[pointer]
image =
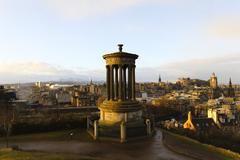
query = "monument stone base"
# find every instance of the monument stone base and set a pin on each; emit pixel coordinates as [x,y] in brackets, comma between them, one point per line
[121,121]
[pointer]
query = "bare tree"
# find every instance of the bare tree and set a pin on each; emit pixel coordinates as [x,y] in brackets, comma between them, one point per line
[6,113]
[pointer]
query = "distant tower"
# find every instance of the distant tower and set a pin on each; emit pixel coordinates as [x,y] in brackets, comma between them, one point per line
[159,79]
[231,92]
[91,82]
[215,91]
[213,81]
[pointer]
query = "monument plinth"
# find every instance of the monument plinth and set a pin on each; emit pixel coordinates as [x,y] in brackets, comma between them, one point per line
[121,116]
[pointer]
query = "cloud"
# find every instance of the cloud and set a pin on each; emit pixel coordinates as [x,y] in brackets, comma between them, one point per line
[16,72]
[30,68]
[77,9]
[2,6]
[225,67]
[225,27]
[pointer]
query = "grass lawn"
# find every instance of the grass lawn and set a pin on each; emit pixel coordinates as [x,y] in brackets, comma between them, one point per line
[19,155]
[192,147]
[78,134]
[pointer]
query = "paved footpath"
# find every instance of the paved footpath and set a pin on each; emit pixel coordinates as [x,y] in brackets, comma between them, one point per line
[151,149]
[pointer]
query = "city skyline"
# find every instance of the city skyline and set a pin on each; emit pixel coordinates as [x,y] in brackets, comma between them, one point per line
[52,40]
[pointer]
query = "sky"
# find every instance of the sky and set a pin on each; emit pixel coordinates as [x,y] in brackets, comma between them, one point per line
[43,40]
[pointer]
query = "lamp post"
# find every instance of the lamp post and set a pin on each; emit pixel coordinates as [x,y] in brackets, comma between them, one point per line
[56,96]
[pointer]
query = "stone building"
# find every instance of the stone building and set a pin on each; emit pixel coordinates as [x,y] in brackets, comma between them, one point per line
[199,125]
[224,112]
[81,99]
[120,114]
[63,97]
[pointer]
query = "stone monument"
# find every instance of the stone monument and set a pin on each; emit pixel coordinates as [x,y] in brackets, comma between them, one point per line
[121,116]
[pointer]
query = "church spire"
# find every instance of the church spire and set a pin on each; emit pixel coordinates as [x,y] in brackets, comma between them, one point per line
[159,79]
[91,82]
[231,92]
[230,83]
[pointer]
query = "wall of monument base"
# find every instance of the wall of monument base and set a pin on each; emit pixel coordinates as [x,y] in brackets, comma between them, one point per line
[115,117]
[121,130]
[133,130]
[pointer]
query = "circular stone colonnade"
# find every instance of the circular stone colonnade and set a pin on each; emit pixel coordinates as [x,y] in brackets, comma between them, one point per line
[121,116]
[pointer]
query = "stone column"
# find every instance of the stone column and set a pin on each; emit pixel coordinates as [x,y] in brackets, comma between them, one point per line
[87,122]
[77,101]
[95,130]
[148,123]
[129,82]
[120,83]
[116,82]
[125,116]
[108,82]
[124,83]
[111,83]
[123,132]
[133,83]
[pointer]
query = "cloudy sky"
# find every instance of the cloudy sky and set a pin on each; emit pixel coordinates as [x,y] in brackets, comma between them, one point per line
[65,39]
